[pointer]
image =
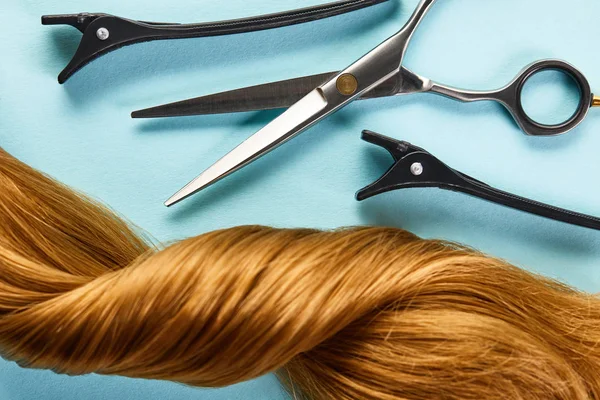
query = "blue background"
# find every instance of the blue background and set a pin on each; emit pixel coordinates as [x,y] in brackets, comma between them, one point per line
[81,133]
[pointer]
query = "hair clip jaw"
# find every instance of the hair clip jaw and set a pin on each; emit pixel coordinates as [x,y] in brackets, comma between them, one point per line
[415,167]
[103,33]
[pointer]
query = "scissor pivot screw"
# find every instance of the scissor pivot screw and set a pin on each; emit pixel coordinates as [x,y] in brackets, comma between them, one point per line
[347,84]
[102,33]
[417,169]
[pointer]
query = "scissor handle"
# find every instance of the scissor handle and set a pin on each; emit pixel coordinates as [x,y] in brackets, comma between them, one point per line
[514,102]
[510,97]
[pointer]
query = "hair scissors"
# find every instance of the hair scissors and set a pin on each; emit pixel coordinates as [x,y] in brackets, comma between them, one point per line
[377,74]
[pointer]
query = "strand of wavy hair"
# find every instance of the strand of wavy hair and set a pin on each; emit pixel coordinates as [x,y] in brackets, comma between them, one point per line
[358,313]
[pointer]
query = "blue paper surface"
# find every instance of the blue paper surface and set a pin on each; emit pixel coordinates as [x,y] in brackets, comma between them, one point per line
[81,134]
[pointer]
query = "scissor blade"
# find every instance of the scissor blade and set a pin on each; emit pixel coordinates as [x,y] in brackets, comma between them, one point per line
[268,96]
[287,125]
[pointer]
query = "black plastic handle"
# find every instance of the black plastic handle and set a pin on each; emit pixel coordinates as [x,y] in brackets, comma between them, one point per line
[432,172]
[119,32]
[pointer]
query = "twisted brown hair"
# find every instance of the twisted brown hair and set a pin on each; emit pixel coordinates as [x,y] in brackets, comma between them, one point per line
[363,313]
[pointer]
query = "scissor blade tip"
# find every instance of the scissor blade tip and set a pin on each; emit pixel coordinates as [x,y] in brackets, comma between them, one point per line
[179,196]
[172,201]
[141,113]
[153,112]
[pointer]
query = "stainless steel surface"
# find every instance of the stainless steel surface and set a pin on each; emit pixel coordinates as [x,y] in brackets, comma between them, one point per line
[287,125]
[103,33]
[282,94]
[261,97]
[417,169]
[371,70]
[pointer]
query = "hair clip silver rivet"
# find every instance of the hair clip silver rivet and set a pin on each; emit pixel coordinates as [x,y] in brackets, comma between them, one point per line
[102,33]
[416,169]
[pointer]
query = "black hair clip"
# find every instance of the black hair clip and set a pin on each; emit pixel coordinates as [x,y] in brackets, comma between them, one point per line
[416,167]
[103,33]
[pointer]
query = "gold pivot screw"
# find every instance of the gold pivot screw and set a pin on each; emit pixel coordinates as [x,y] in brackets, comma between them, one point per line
[347,84]
[596,101]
